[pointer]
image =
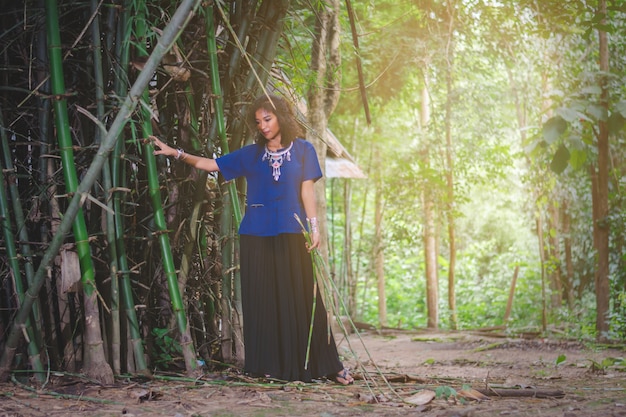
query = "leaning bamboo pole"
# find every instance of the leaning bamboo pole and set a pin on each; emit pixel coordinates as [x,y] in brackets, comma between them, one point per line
[95,363]
[34,356]
[154,190]
[22,232]
[178,22]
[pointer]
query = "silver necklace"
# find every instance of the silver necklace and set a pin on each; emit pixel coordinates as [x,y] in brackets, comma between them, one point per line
[276,159]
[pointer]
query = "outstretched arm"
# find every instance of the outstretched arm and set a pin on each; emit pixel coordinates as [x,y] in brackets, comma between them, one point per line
[200,162]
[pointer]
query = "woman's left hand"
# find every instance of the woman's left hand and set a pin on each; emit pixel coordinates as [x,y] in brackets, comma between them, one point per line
[315,241]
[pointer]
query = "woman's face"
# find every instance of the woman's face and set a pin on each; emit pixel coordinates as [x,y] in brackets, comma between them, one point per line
[267,123]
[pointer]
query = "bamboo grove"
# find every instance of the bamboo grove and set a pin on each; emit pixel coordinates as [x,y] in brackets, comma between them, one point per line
[119,261]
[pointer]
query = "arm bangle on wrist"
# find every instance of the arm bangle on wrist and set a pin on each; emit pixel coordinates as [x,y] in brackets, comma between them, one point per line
[179,153]
[314,224]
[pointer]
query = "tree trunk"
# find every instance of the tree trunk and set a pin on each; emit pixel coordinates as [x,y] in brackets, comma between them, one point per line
[379,254]
[451,205]
[544,307]
[509,303]
[347,248]
[554,260]
[568,279]
[601,202]
[430,231]
[322,99]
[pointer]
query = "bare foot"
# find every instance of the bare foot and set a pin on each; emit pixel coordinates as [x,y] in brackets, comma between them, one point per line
[343,377]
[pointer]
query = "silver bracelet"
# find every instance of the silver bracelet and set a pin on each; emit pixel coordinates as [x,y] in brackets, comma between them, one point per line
[314,225]
[179,153]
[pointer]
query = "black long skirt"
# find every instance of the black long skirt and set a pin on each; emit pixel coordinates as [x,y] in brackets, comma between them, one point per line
[277,297]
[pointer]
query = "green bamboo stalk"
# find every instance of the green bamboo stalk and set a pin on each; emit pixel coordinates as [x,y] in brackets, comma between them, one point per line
[154,190]
[231,281]
[219,104]
[234,51]
[11,251]
[171,32]
[328,289]
[118,178]
[258,73]
[198,198]
[265,51]
[57,395]
[107,182]
[95,364]
[22,232]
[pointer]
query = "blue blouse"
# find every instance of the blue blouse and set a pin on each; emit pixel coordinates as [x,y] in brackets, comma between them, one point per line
[273,196]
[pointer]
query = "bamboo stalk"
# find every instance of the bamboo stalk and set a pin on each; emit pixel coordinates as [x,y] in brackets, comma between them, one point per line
[59,395]
[219,105]
[329,290]
[95,365]
[106,178]
[22,231]
[11,252]
[154,190]
[118,178]
[249,88]
[173,29]
[232,281]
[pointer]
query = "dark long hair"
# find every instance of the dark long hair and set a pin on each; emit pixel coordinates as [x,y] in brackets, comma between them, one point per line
[290,129]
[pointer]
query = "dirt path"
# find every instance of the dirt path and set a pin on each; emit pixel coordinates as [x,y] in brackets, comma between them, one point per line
[424,363]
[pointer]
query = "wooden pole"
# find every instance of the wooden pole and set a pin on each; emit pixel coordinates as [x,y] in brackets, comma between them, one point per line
[509,303]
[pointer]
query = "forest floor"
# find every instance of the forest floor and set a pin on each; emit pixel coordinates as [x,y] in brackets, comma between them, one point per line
[427,374]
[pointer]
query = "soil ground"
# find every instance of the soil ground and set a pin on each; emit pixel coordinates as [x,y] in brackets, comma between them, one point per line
[577,380]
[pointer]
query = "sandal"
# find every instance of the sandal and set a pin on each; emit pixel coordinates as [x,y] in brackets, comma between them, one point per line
[343,377]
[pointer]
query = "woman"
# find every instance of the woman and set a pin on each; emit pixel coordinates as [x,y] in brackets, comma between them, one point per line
[276,270]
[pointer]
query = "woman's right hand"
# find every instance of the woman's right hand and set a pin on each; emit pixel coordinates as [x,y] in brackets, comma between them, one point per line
[163,149]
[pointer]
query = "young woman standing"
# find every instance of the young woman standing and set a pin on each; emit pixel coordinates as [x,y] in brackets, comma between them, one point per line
[276,270]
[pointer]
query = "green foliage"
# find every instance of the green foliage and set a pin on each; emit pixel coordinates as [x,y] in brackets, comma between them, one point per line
[617,317]
[560,359]
[445,392]
[168,349]
[560,160]
[606,363]
[579,321]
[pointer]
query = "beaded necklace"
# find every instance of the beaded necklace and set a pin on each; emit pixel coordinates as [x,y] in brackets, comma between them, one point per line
[276,159]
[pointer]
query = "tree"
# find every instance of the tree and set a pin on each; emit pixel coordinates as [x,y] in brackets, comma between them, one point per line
[600,192]
[323,96]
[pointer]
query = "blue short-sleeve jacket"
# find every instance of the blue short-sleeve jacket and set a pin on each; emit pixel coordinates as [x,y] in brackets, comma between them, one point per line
[271,204]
